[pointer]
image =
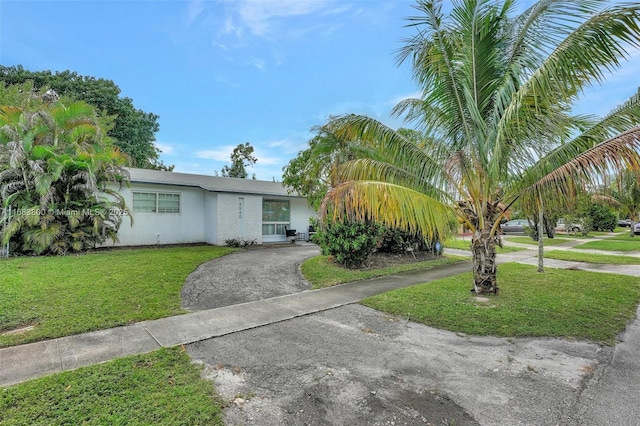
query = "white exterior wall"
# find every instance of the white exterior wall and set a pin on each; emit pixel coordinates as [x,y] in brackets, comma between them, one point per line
[239,216]
[164,228]
[205,216]
[301,215]
[210,218]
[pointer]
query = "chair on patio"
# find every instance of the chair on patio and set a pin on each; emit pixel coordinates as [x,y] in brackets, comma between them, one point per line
[291,234]
[312,232]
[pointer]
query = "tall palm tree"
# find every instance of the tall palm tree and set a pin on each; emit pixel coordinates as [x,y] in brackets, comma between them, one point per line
[496,92]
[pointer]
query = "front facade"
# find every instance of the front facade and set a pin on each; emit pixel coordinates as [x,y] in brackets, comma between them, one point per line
[179,208]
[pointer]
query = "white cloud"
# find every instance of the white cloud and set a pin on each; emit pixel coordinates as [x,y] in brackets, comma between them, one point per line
[194,9]
[220,154]
[165,148]
[260,16]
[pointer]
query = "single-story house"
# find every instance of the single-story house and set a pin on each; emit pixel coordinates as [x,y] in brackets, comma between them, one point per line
[178,208]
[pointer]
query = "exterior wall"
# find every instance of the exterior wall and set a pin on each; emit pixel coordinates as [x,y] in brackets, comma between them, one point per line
[239,216]
[205,216]
[210,218]
[164,228]
[301,215]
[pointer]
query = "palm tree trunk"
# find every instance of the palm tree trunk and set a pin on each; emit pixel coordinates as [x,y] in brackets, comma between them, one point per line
[541,238]
[483,248]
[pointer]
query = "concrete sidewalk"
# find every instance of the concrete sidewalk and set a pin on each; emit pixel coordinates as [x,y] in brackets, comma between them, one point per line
[25,362]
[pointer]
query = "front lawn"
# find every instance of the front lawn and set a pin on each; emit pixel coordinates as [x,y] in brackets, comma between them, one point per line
[321,272]
[61,296]
[617,243]
[557,303]
[600,259]
[159,388]
[546,241]
[465,244]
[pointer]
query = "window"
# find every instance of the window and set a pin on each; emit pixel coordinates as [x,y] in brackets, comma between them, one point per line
[144,202]
[152,202]
[168,203]
[275,216]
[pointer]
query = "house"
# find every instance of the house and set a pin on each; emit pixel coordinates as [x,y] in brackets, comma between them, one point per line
[177,208]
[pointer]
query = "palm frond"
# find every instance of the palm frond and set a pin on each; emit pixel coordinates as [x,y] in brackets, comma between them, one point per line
[393,205]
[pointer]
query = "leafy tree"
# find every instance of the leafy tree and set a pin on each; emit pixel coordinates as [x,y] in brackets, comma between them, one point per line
[55,164]
[133,130]
[241,157]
[313,172]
[496,92]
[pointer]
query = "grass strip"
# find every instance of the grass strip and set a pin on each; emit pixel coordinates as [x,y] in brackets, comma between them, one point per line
[611,245]
[465,244]
[557,303]
[321,272]
[546,241]
[599,259]
[159,388]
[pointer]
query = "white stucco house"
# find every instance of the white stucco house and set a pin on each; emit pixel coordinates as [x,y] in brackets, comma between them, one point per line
[178,208]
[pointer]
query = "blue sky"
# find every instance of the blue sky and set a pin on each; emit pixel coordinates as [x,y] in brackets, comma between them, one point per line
[221,73]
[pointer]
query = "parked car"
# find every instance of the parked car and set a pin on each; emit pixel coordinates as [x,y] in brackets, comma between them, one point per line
[562,226]
[624,223]
[636,228]
[515,226]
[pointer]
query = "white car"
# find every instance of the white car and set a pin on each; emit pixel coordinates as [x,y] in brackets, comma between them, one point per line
[563,227]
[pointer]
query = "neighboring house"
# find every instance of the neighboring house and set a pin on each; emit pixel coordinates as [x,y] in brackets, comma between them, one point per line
[174,208]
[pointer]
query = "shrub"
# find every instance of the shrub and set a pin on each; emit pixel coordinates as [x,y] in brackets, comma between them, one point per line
[349,243]
[602,219]
[397,241]
[240,243]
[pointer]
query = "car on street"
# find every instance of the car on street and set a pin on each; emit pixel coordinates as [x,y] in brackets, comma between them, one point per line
[562,226]
[624,223]
[515,226]
[636,228]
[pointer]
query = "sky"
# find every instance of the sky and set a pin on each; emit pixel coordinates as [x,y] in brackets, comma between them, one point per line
[222,73]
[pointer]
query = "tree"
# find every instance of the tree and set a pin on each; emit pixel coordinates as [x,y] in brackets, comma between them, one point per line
[55,164]
[312,173]
[241,157]
[496,92]
[134,130]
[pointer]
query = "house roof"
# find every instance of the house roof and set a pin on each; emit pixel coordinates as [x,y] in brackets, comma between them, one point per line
[210,183]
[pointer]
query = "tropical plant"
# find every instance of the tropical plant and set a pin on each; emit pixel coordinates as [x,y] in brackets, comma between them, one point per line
[496,92]
[349,243]
[55,164]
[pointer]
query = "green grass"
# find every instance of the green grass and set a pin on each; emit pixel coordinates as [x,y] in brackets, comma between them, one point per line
[159,388]
[625,237]
[600,259]
[67,295]
[557,303]
[546,241]
[617,243]
[321,272]
[465,244]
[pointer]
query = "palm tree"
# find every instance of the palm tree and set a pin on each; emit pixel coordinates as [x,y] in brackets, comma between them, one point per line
[496,92]
[55,164]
